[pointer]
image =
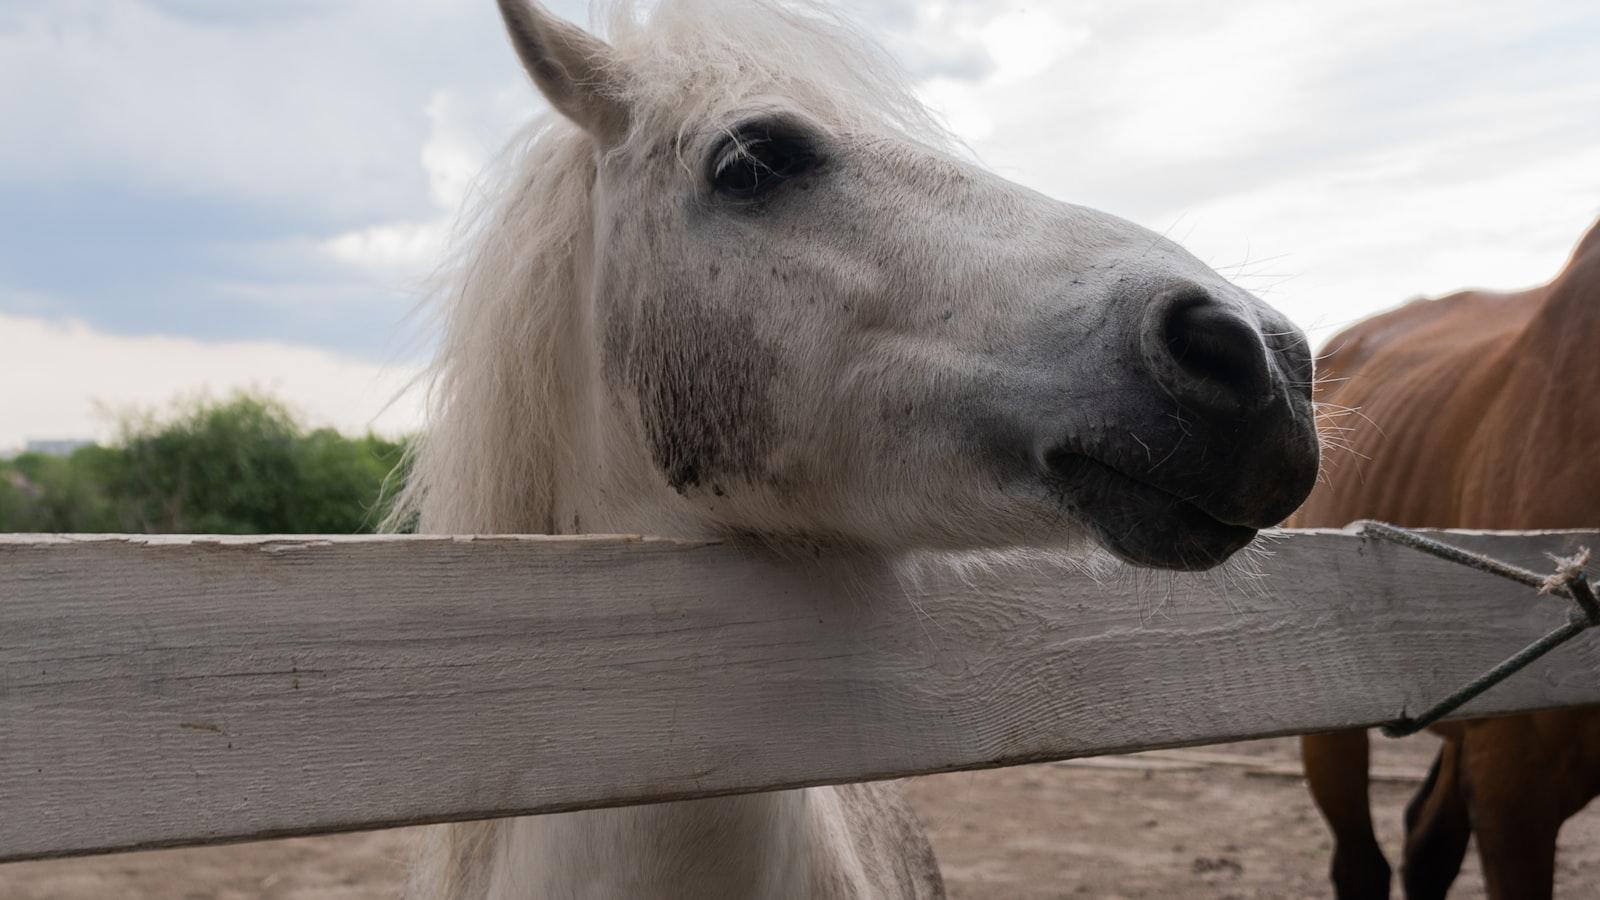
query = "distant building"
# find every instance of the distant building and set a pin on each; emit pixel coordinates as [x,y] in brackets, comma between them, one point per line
[55,448]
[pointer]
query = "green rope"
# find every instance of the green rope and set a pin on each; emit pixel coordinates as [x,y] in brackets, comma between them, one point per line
[1574,585]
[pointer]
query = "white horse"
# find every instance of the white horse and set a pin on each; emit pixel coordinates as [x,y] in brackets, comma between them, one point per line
[740,287]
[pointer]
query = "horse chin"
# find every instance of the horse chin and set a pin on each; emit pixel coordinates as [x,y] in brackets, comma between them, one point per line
[1197,550]
[1144,525]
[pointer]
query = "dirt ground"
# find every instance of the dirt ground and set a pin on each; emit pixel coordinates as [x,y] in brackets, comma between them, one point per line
[1224,823]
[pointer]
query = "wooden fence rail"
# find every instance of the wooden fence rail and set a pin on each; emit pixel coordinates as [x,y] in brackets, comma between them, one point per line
[190,690]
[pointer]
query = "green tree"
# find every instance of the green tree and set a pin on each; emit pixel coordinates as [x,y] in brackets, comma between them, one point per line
[49,493]
[240,466]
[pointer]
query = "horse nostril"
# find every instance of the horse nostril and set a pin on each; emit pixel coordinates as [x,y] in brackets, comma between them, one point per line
[1211,352]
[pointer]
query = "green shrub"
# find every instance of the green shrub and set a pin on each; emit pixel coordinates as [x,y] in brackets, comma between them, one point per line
[239,466]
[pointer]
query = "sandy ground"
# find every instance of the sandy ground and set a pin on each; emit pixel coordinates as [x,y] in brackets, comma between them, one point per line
[1224,823]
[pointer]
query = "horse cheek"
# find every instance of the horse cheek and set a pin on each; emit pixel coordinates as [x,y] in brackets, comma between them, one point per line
[703,380]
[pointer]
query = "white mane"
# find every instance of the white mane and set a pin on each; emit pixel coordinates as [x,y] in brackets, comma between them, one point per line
[508,306]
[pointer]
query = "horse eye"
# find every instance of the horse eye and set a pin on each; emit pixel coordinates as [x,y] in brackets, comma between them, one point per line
[752,161]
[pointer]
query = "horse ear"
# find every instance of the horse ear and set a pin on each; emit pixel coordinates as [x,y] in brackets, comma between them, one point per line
[576,71]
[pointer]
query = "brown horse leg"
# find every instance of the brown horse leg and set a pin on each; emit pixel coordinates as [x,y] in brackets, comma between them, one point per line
[1437,829]
[1518,853]
[1514,790]
[1336,769]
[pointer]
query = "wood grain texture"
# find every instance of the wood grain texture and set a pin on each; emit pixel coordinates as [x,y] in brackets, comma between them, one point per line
[168,691]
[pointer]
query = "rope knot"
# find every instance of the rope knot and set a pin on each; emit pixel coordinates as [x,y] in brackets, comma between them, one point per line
[1568,570]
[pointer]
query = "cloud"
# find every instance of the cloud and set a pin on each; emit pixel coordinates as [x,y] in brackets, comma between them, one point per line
[465,133]
[273,115]
[236,12]
[67,380]
[130,261]
[235,170]
[1335,246]
[405,248]
[1339,158]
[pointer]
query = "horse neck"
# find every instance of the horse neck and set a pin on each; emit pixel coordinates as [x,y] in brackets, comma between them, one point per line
[756,845]
[1565,333]
[1527,462]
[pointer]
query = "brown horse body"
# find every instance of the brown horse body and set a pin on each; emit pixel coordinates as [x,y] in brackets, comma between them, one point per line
[1473,411]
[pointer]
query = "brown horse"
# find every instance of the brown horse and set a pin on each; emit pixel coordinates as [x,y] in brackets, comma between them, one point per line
[1475,411]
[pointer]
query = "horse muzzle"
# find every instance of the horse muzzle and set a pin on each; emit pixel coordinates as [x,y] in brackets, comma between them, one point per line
[1211,437]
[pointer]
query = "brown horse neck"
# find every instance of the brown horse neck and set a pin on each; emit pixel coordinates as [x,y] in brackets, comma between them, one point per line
[1566,330]
[1588,245]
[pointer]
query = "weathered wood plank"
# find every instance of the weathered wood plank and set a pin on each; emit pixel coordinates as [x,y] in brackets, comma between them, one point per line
[173,691]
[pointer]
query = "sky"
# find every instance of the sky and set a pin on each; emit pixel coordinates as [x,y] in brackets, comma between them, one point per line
[203,195]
